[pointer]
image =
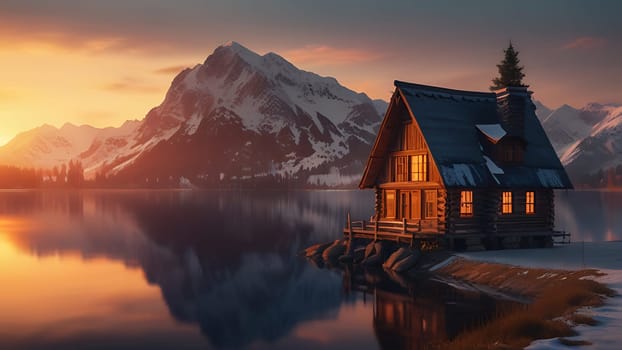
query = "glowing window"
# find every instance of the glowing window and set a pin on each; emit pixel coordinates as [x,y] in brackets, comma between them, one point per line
[506,203]
[466,203]
[419,167]
[530,203]
[400,169]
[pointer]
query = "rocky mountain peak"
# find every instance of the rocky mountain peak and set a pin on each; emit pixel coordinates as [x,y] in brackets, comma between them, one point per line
[237,116]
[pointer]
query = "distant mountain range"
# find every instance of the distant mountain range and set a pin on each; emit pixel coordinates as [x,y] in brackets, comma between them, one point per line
[588,142]
[241,119]
[237,117]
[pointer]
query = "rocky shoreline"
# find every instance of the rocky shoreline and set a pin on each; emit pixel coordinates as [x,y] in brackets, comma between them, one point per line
[389,255]
[556,299]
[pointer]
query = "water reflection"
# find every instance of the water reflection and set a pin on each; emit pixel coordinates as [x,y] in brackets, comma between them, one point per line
[593,216]
[422,312]
[73,267]
[222,260]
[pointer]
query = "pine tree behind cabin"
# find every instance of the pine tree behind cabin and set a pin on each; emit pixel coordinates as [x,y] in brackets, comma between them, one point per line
[510,73]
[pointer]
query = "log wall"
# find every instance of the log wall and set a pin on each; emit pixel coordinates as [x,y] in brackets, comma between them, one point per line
[488,219]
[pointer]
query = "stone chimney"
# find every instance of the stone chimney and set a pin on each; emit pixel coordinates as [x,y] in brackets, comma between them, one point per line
[512,103]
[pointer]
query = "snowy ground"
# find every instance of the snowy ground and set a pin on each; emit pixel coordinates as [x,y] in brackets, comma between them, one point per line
[604,256]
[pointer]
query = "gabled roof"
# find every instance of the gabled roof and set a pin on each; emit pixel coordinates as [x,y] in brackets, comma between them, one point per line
[449,121]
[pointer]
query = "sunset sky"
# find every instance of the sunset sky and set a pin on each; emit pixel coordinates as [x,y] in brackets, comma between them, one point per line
[102,62]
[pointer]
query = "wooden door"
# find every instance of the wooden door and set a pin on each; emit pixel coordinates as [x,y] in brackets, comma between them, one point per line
[404,205]
[415,205]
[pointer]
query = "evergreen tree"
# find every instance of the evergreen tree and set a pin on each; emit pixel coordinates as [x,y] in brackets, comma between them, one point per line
[510,73]
[75,174]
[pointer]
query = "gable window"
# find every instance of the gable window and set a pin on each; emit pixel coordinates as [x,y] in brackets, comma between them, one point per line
[530,202]
[430,204]
[419,167]
[400,169]
[466,203]
[409,168]
[506,202]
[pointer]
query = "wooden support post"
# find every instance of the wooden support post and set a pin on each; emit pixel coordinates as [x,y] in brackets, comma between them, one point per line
[404,228]
[376,231]
[348,222]
[349,244]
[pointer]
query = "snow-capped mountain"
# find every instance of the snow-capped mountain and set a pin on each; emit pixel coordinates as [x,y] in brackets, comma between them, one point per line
[596,160]
[240,115]
[542,111]
[589,142]
[48,146]
[237,116]
[567,125]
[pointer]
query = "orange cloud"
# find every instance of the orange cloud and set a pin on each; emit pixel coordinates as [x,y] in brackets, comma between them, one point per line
[328,55]
[170,69]
[128,84]
[585,42]
[45,37]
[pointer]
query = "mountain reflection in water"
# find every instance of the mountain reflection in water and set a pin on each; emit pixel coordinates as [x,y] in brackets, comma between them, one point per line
[73,266]
[226,261]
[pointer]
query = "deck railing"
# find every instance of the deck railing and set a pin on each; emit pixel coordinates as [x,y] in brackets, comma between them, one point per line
[404,230]
[410,231]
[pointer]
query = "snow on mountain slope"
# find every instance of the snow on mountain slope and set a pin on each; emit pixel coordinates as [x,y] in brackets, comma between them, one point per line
[107,145]
[237,115]
[601,149]
[542,111]
[588,142]
[567,125]
[48,146]
[241,115]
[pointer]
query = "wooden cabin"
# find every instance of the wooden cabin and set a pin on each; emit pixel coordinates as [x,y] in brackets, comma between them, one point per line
[475,167]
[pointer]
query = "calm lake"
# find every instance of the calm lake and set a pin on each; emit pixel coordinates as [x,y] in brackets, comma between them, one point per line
[219,270]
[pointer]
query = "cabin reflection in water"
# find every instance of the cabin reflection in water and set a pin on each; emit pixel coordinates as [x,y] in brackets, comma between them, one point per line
[403,322]
[425,312]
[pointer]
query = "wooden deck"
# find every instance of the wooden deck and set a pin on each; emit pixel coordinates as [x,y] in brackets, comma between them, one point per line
[416,231]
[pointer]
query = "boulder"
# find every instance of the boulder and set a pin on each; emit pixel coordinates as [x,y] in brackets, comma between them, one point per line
[375,259]
[316,249]
[399,254]
[346,259]
[358,255]
[380,248]
[334,251]
[406,263]
[370,250]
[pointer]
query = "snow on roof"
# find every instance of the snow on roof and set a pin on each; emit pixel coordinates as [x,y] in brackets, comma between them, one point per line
[452,123]
[550,178]
[462,175]
[494,132]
